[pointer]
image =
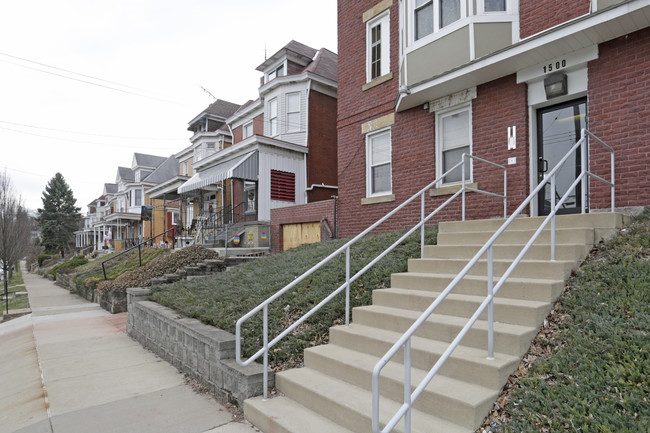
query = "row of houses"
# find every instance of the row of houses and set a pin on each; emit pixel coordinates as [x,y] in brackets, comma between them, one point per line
[416,84]
[243,162]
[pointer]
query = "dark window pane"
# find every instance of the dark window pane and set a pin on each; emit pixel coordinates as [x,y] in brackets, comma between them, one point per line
[449,12]
[451,158]
[424,21]
[495,5]
[381,178]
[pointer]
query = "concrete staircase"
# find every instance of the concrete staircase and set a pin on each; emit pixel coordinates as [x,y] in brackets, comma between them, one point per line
[332,393]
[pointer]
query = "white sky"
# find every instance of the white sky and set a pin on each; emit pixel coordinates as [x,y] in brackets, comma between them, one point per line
[157,53]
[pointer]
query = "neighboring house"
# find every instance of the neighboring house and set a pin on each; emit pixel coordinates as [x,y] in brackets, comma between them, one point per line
[421,82]
[90,235]
[200,197]
[284,146]
[162,211]
[123,223]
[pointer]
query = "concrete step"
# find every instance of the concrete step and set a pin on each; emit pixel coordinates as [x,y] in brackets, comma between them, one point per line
[283,415]
[533,289]
[604,220]
[514,311]
[465,363]
[448,398]
[577,235]
[576,252]
[541,269]
[508,338]
[350,406]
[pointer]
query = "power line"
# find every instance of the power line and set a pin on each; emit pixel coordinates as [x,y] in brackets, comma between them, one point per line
[75,141]
[89,133]
[88,82]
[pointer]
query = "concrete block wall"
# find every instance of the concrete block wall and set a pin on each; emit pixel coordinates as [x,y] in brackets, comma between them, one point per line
[205,353]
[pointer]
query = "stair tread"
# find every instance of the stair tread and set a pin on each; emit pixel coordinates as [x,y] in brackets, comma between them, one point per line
[455,389]
[521,280]
[353,399]
[286,415]
[470,298]
[506,328]
[478,356]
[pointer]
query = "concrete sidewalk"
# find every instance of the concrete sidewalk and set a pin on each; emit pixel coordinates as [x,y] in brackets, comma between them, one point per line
[70,367]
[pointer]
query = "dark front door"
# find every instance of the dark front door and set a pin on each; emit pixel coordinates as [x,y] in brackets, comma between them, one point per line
[558,129]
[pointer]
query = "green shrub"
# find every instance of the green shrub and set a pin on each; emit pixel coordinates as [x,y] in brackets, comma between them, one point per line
[42,258]
[68,266]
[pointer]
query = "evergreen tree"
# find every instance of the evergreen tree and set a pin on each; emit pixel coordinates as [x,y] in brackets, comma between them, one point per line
[59,218]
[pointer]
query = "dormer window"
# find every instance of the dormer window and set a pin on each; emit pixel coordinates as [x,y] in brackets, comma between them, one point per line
[277,72]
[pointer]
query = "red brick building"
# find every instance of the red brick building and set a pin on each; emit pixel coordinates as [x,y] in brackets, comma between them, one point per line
[514,82]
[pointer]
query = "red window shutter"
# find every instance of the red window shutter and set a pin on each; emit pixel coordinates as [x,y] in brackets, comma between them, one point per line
[283,186]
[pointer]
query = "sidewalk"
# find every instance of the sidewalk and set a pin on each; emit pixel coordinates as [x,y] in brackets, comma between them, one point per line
[70,367]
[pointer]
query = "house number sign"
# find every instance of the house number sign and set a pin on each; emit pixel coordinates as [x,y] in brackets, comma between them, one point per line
[560,64]
[569,61]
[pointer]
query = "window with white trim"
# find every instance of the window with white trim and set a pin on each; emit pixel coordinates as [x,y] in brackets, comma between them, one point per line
[378,47]
[277,72]
[453,138]
[378,163]
[184,168]
[430,16]
[272,116]
[248,130]
[293,111]
[494,5]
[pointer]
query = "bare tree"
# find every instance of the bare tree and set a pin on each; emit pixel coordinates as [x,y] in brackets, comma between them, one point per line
[14,230]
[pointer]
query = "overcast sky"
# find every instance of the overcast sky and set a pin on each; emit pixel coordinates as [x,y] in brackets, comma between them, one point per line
[85,84]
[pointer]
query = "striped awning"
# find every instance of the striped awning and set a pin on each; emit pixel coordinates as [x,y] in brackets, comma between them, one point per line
[242,167]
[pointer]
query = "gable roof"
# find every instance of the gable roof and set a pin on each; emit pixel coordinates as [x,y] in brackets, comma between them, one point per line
[325,64]
[165,171]
[149,161]
[110,188]
[125,174]
[300,51]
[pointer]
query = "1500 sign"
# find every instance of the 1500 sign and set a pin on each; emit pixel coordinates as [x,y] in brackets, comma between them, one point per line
[560,64]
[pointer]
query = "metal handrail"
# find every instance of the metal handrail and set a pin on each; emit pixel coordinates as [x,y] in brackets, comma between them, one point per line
[350,279]
[488,302]
[139,247]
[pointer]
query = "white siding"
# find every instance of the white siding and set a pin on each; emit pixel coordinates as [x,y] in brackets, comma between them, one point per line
[283,160]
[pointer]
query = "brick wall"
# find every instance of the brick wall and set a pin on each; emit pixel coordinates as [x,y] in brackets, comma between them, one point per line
[322,157]
[499,104]
[321,211]
[619,114]
[538,15]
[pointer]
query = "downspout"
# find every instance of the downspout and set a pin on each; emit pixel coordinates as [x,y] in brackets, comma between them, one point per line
[307,139]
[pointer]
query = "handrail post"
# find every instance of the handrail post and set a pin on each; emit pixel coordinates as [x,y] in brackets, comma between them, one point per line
[613,181]
[347,287]
[553,211]
[266,352]
[104,269]
[140,254]
[407,385]
[490,282]
[463,182]
[584,169]
[505,192]
[422,228]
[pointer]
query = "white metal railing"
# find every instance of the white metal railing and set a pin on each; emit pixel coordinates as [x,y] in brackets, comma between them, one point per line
[350,279]
[492,289]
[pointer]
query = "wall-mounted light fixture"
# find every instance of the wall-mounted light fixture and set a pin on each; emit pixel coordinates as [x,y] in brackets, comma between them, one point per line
[426,106]
[555,85]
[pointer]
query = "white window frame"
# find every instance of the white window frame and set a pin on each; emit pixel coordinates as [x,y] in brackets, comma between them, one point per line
[482,11]
[184,168]
[436,18]
[272,74]
[370,164]
[383,20]
[273,117]
[247,130]
[439,144]
[292,125]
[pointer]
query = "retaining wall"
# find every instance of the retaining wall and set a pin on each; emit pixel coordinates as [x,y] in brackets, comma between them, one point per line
[205,353]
